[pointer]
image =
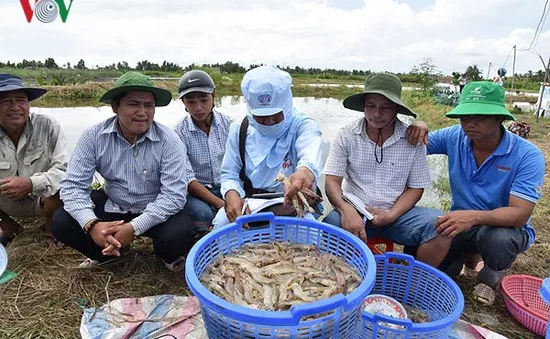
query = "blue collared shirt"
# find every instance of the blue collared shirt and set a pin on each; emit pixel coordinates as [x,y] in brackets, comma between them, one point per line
[147,178]
[515,168]
[305,151]
[204,152]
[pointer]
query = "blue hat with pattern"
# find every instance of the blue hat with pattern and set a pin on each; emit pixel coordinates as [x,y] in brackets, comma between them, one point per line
[10,83]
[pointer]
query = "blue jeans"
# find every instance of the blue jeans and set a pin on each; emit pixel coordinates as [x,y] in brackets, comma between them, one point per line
[413,228]
[201,212]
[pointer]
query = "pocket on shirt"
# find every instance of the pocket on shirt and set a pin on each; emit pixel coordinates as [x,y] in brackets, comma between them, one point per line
[32,156]
[149,174]
[4,165]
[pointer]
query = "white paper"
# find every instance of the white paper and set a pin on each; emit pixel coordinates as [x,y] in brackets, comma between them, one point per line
[358,204]
[257,205]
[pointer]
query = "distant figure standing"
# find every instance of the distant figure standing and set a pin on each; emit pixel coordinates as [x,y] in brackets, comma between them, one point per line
[499,78]
[462,80]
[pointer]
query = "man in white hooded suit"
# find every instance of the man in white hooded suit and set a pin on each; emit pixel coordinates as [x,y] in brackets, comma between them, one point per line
[278,140]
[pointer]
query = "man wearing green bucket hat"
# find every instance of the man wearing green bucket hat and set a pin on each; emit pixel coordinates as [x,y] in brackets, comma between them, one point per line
[370,159]
[496,179]
[143,165]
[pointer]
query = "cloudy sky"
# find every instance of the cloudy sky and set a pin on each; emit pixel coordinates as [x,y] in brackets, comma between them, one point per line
[391,35]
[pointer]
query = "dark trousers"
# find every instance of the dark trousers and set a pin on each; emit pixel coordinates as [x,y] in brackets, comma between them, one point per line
[498,246]
[171,239]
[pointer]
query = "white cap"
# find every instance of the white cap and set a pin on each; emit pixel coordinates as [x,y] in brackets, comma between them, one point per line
[267,90]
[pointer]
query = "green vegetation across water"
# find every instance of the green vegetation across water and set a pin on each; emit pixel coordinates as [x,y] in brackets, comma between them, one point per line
[79,85]
[88,94]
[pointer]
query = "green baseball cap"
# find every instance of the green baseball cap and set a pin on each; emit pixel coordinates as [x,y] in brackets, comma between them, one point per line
[135,81]
[481,98]
[385,84]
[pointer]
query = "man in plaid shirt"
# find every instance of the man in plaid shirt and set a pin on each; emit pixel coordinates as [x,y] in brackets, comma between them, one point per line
[204,133]
[371,159]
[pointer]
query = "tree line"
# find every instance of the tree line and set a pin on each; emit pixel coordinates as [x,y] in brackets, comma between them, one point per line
[167,66]
[418,74]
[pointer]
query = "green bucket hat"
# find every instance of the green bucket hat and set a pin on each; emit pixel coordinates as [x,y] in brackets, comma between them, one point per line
[135,81]
[385,84]
[481,98]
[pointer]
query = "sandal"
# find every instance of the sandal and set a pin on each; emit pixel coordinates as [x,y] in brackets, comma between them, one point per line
[88,263]
[469,273]
[177,265]
[484,294]
[473,272]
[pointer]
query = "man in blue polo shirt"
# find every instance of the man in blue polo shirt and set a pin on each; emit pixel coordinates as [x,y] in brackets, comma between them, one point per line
[496,179]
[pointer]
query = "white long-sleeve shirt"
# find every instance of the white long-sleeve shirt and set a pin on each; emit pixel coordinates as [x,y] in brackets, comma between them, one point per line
[305,151]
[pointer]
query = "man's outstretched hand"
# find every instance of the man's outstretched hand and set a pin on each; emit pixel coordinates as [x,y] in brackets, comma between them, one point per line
[302,178]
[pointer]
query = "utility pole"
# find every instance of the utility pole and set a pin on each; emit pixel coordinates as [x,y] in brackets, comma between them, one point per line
[544,82]
[489,70]
[513,74]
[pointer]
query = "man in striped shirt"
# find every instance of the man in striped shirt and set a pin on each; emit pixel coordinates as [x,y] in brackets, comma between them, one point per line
[204,133]
[143,164]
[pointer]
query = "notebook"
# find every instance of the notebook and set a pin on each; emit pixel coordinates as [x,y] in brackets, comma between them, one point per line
[257,205]
[358,204]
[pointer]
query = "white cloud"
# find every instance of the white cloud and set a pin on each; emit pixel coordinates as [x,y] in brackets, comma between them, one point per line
[381,35]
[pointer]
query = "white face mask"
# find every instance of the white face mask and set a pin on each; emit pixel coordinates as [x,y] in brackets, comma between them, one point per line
[269,130]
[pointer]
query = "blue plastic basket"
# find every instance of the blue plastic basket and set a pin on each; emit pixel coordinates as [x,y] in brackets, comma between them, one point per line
[545,295]
[340,313]
[417,285]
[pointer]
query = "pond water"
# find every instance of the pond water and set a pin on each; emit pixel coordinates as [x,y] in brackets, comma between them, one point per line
[329,113]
